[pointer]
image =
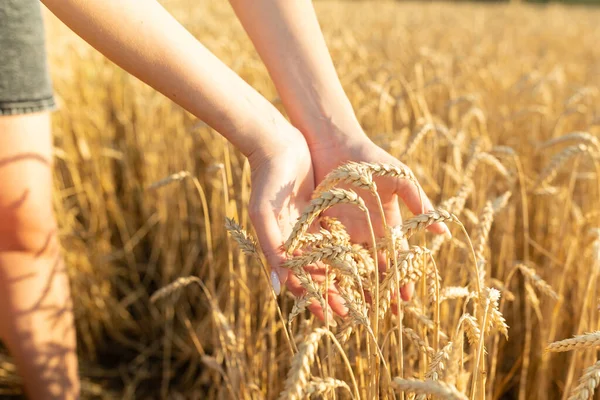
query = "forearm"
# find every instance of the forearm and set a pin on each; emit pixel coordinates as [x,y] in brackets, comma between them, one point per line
[145,40]
[288,38]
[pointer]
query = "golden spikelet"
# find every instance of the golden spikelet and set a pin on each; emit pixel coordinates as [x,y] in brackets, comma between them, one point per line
[543,286]
[440,390]
[299,374]
[581,342]
[174,288]
[317,205]
[588,383]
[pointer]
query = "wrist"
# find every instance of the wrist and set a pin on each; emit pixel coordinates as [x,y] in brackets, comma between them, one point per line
[333,130]
[258,130]
[277,138]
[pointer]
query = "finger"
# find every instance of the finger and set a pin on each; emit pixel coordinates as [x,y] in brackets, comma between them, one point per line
[315,308]
[407,291]
[335,300]
[417,202]
[271,242]
[337,303]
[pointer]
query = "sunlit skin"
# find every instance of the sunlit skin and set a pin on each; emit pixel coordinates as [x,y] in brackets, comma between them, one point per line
[287,159]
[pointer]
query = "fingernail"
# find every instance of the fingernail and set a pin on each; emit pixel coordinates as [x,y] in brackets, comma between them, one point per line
[282,275]
[275,282]
[447,231]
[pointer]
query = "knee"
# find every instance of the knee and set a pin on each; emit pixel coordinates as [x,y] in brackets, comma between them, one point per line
[28,225]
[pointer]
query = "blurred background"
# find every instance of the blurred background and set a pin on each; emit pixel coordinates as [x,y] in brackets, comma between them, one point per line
[501,74]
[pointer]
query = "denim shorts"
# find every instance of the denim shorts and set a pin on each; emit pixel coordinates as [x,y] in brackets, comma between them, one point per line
[25,84]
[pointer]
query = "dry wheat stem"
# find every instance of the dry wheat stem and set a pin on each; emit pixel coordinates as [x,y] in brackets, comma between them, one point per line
[492,297]
[248,246]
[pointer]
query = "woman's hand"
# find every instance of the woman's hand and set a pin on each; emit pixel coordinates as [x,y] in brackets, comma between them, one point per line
[339,148]
[282,185]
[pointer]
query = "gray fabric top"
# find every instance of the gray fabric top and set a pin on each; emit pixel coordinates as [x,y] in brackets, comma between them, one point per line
[24,78]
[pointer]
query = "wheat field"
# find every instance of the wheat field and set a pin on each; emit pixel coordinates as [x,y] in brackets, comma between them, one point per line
[494,108]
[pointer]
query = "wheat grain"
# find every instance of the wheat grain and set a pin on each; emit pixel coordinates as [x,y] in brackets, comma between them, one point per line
[418,341]
[437,364]
[174,287]
[317,205]
[550,172]
[436,388]
[322,387]
[581,137]
[241,237]
[454,292]
[420,134]
[352,173]
[588,383]
[176,177]
[297,379]
[423,221]
[579,342]
[538,282]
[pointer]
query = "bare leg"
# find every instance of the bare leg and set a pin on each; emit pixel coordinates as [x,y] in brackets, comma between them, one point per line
[36,318]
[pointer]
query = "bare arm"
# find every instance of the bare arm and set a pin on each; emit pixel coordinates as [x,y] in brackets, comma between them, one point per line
[288,38]
[145,40]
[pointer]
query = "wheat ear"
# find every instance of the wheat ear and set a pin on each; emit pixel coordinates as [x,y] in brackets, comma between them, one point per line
[174,287]
[588,383]
[317,205]
[576,343]
[439,389]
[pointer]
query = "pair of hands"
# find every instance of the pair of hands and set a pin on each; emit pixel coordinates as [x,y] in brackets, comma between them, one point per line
[283,181]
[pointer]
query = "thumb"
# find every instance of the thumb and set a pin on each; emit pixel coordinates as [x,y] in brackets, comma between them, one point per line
[270,239]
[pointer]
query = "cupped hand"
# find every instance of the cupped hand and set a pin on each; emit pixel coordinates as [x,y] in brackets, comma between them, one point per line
[282,185]
[360,148]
